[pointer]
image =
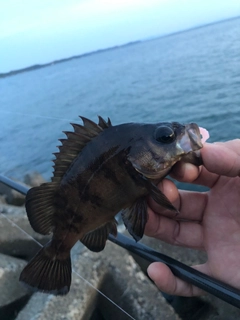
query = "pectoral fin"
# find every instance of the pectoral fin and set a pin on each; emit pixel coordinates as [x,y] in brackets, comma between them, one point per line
[161,199]
[158,196]
[96,240]
[135,218]
[40,208]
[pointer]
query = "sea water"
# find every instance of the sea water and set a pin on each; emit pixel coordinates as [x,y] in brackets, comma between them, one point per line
[192,76]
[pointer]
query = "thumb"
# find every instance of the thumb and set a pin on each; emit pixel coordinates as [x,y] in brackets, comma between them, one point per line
[222,158]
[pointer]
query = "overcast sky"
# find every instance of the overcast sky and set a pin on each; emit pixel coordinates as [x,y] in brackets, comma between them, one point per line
[41,31]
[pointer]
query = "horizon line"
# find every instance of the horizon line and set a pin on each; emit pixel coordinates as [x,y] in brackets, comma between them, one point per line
[151,38]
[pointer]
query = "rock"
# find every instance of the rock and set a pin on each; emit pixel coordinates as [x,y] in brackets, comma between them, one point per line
[12,196]
[3,199]
[33,179]
[12,295]
[16,233]
[15,198]
[114,272]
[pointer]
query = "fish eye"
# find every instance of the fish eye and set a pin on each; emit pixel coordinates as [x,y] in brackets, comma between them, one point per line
[165,134]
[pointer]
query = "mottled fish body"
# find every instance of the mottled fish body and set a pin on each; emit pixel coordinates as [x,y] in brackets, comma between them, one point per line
[100,170]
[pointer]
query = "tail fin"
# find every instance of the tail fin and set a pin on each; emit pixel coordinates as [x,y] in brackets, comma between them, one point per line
[47,273]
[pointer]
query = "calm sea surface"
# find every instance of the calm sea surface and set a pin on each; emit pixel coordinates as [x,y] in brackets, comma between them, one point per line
[192,76]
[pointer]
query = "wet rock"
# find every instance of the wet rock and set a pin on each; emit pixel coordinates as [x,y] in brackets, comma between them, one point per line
[114,272]
[12,295]
[34,179]
[16,233]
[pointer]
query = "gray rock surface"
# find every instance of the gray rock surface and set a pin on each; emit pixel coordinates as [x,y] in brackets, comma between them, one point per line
[33,179]
[116,274]
[15,198]
[12,294]
[16,233]
[11,196]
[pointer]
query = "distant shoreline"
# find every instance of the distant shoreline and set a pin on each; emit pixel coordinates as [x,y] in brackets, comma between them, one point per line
[39,66]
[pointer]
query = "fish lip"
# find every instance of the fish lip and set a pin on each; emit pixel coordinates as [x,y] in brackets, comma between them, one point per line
[192,140]
[195,138]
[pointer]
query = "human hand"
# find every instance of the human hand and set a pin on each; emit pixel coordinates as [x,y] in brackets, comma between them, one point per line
[213,218]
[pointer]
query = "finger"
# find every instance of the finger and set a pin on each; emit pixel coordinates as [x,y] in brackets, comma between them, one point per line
[167,282]
[190,204]
[185,172]
[163,225]
[167,187]
[222,158]
[186,234]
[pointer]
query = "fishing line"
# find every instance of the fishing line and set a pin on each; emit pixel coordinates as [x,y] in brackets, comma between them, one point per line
[82,278]
[19,228]
[35,115]
[89,283]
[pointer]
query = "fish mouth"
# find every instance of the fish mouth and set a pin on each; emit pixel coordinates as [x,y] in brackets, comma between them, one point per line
[191,140]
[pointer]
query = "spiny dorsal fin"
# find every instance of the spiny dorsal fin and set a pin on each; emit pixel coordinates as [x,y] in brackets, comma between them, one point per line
[92,128]
[103,124]
[74,144]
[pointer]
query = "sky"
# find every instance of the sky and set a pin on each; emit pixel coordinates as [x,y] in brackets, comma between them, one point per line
[40,31]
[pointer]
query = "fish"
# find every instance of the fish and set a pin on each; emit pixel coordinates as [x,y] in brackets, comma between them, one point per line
[99,171]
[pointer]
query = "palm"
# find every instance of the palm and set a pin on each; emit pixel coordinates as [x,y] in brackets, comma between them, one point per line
[221,229]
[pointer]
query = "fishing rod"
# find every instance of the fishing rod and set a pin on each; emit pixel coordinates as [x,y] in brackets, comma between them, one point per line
[218,288]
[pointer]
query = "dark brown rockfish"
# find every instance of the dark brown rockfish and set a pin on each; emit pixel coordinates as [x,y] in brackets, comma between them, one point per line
[100,170]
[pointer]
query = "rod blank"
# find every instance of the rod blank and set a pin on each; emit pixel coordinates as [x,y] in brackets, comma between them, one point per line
[179,269]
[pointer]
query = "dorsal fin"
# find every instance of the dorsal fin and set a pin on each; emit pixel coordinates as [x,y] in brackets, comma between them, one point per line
[74,143]
[103,124]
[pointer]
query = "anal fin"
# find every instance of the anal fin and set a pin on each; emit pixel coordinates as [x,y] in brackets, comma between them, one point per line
[96,240]
[135,218]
